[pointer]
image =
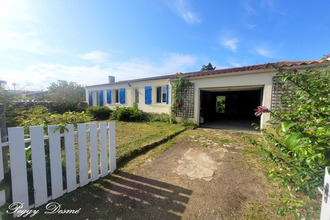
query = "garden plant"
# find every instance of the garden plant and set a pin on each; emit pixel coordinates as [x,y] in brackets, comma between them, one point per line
[298,142]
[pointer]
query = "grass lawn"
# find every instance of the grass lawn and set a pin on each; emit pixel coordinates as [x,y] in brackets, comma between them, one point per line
[131,136]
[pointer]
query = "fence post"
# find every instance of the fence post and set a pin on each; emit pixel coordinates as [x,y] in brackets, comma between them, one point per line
[325,209]
[4,138]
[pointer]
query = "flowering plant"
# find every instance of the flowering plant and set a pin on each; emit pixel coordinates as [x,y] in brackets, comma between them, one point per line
[260,110]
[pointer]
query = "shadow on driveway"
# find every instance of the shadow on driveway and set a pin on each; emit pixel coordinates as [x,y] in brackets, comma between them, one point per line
[146,198]
[123,195]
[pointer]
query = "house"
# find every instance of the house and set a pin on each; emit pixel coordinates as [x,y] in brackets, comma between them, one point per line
[222,95]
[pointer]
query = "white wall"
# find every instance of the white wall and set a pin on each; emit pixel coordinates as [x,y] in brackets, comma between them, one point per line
[234,81]
[130,95]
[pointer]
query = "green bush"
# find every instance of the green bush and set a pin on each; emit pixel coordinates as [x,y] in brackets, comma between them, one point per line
[129,114]
[99,112]
[163,117]
[300,144]
[46,119]
[17,116]
[64,107]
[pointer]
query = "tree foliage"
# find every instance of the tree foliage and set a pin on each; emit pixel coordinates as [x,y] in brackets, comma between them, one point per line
[67,96]
[7,97]
[208,67]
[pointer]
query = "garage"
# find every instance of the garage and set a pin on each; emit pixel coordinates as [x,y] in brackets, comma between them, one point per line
[230,108]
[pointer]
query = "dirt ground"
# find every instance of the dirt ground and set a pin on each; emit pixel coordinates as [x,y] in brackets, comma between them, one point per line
[204,175]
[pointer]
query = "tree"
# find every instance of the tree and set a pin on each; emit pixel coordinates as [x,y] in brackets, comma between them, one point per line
[67,96]
[208,67]
[6,97]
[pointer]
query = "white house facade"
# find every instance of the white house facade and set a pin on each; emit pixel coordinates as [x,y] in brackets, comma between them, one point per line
[240,90]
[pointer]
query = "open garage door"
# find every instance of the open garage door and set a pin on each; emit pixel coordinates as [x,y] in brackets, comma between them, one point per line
[230,108]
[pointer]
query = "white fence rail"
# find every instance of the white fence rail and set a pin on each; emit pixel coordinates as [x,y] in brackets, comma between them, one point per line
[325,190]
[59,163]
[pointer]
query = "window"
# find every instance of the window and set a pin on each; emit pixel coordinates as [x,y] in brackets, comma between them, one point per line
[162,94]
[136,96]
[116,96]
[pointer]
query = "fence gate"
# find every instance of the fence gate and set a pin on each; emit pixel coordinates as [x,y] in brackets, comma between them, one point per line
[46,167]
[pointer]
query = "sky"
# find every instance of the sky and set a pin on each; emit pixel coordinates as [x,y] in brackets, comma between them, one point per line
[85,41]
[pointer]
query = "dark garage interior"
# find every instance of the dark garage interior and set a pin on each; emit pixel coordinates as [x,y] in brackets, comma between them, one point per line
[230,109]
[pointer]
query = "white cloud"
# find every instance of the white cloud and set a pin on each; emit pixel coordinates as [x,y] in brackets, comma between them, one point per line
[230,43]
[24,41]
[95,56]
[250,10]
[248,25]
[265,52]
[10,35]
[15,10]
[180,6]
[37,77]
[235,64]
[142,68]
[267,4]
[20,28]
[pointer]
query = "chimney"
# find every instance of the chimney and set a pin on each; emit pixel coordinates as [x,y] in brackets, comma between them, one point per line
[111,79]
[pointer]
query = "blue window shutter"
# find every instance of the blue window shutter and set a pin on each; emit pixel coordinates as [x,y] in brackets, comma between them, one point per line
[90,98]
[108,96]
[122,96]
[148,95]
[166,94]
[100,97]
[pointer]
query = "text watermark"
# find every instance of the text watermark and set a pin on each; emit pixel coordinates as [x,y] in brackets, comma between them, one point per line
[52,208]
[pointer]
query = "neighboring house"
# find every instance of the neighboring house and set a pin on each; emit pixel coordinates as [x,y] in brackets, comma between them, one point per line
[216,95]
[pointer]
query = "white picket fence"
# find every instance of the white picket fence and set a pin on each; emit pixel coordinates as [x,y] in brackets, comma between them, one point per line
[325,190]
[96,157]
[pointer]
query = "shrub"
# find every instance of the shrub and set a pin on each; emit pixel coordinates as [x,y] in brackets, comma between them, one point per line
[63,107]
[17,116]
[129,114]
[46,119]
[163,117]
[99,112]
[301,134]
[189,124]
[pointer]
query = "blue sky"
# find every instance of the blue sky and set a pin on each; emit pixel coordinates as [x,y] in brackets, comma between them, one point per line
[85,41]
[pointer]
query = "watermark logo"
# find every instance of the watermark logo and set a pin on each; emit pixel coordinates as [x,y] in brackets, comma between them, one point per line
[52,208]
[16,208]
